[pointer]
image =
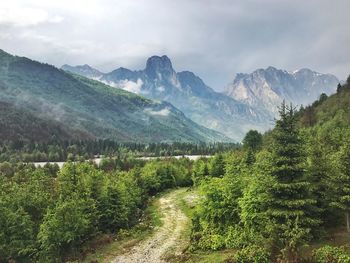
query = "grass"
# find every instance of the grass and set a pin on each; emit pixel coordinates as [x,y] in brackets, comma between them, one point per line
[106,247]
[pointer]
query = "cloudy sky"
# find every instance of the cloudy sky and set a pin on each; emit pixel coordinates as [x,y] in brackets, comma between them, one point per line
[213,38]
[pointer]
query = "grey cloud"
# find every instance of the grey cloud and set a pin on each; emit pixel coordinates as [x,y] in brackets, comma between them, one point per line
[214,39]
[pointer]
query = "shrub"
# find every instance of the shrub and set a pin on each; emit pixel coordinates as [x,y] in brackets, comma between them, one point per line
[329,254]
[238,237]
[252,254]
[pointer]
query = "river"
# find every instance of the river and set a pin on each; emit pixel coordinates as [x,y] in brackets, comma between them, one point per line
[98,160]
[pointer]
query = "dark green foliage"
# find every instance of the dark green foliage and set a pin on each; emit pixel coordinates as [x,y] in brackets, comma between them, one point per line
[329,254]
[218,210]
[217,166]
[48,214]
[342,182]
[252,140]
[57,150]
[252,254]
[290,197]
[65,227]
[322,98]
[291,203]
[83,108]
[16,232]
[21,125]
[287,194]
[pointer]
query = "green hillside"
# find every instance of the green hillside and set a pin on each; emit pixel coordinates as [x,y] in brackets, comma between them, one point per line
[19,124]
[91,107]
[327,120]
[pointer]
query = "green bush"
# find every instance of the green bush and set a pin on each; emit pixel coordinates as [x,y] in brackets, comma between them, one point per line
[238,237]
[329,254]
[252,254]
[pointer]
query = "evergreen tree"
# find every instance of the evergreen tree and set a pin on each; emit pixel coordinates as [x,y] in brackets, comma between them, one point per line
[250,157]
[290,202]
[339,88]
[318,177]
[217,166]
[252,140]
[342,183]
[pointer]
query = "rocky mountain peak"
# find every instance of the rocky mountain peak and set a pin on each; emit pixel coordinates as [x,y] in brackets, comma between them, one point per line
[84,70]
[266,88]
[157,66]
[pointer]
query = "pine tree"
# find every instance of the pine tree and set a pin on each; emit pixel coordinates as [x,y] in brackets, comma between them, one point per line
[339,88]
[342,183]
[252,140]
[318,177]
[217,166]
[290,202]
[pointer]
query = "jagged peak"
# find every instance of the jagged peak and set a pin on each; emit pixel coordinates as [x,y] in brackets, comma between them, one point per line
[159,64]
[271,68]
[121,69]
[85,66]
[305,71]
[188,73]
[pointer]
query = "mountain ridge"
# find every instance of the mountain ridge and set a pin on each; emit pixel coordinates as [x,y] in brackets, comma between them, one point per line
[87,105]
[267,88]
[188,92]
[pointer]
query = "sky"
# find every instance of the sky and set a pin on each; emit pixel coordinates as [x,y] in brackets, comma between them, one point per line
[215,39]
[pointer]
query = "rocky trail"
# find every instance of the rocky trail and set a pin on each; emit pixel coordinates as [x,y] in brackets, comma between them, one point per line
[166,239]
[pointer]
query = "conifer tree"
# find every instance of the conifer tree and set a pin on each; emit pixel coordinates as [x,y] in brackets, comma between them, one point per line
[342,183]
[290,202]
[318,177]
[217,166]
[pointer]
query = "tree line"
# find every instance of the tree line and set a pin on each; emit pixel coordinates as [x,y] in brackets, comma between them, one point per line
[282,191]
[48,214]
[56,150]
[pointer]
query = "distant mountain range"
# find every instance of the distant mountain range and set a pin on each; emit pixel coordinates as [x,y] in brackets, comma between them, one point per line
[249,102]
[267,88]
[39,100]
[187,92]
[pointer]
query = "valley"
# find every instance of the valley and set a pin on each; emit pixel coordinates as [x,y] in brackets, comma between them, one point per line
[174,131]
[167,238]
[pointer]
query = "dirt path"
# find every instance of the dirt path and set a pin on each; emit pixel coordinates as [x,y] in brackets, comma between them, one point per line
[165,239]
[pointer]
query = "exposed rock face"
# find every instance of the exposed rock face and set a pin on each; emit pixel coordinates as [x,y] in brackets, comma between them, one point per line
[267,88]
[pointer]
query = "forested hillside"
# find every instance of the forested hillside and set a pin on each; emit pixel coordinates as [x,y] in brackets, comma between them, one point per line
[282,197]
[187,92]
[91,108]
[285,196]
[18,124]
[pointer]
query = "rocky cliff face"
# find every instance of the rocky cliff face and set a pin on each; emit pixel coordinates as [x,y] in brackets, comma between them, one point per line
[191,95]
[267,88]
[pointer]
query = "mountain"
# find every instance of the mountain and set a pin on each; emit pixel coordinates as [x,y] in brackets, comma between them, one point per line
[191,95]
[19,124]
[84,106]
[83,70]
[267,88]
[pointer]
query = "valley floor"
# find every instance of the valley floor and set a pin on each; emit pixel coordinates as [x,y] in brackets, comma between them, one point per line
[165,240]
[168,241]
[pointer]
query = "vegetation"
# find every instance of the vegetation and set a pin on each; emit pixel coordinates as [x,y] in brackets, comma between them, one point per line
[17,124]
[49,214]
[74,150]
[283,190]
[328,254]
[276,199]
[87,109]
